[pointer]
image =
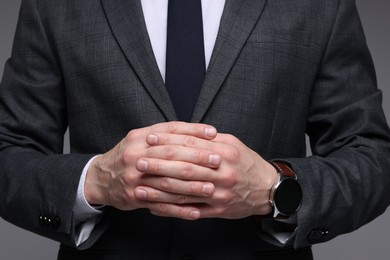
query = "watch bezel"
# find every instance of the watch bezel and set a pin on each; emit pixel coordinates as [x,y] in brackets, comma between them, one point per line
[285,177]
[286,203]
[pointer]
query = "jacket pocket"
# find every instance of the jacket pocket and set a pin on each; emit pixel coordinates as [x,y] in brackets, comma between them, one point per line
[295,37]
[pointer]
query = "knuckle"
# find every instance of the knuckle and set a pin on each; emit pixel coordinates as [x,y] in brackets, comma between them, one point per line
[162,208]
[187,171]
[122,200]
[165,183]
[172,127]
[154,196]
[170,152]
[154,166]
[225,198]
[126,179]
[182,212]
[231,153]
[193,188]
[181,199]
[231,178]
[201,157]
[131,135]
[220,210]
[189,141]
[127,156]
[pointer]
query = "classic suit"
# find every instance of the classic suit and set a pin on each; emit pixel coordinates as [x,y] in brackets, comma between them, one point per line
[279,69]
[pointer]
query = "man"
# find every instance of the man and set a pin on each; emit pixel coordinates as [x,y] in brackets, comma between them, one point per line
[171,190]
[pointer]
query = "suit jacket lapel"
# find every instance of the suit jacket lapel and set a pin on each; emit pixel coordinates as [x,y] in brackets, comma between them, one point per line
[237,22]
[128,25]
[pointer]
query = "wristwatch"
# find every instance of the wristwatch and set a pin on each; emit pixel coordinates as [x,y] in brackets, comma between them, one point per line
[286,195]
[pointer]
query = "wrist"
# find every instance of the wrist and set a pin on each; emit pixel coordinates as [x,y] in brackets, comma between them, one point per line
[268,180]
[93,186]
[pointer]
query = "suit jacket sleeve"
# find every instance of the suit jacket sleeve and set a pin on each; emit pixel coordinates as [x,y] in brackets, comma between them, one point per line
[346,179]
[38,184]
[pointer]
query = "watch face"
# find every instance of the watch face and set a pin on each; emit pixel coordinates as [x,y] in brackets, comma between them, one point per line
[288,196]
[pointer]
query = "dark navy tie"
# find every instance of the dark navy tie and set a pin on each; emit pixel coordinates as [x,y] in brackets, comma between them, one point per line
[185,64]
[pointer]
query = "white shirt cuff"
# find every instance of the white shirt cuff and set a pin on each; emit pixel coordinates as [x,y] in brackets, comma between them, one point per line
[84,214]
[280,235]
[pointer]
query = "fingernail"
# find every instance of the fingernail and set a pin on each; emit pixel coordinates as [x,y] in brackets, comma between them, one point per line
[210,132]
[214,159]
[152,139]
[142,165]
[194,214]
[141,194]
[208,188]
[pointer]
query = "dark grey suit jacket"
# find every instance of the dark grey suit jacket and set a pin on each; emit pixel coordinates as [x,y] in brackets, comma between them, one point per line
[279,69]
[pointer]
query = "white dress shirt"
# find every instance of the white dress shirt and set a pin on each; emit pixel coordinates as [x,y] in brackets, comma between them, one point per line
[155,14]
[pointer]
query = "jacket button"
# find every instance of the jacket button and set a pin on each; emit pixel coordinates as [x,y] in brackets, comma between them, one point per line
[55,223]
[318,234]
[41,221]
[49,222]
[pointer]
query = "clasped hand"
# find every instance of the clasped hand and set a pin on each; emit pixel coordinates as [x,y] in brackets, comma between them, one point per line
[182,170]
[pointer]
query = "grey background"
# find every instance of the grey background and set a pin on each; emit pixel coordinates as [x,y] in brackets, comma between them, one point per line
[369,242]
